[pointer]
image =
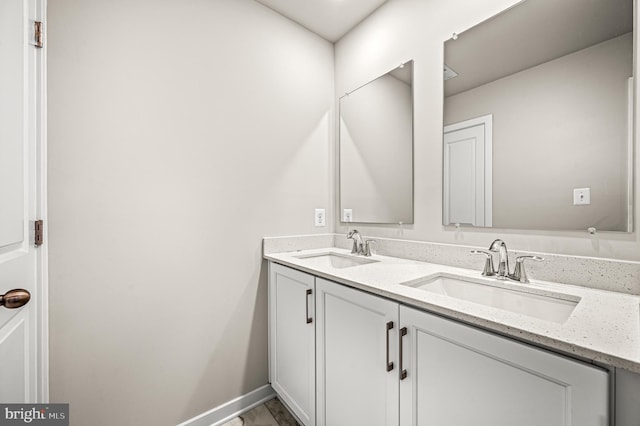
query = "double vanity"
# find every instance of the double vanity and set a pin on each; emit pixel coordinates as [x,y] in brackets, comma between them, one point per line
[368,340]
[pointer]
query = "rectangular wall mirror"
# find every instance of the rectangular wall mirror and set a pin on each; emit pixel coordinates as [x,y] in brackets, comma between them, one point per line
[376,150]
[538,118]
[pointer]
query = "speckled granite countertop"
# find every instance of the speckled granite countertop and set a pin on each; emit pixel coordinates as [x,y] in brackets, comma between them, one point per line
[604,327]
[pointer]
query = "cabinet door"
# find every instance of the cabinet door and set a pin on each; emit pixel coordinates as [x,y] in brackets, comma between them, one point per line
[459,375]
[292,340]
[357,385]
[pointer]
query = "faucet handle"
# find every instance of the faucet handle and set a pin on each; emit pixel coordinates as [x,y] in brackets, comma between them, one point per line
[519,273]
[488,270]
[368,249]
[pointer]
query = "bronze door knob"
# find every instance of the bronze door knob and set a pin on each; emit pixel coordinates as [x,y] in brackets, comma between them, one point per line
[15,298]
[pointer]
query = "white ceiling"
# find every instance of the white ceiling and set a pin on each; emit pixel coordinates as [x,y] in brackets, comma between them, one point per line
[330,19]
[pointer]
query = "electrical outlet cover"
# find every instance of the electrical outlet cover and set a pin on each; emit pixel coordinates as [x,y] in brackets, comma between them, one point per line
[347,215]
[581,196]
[320,221]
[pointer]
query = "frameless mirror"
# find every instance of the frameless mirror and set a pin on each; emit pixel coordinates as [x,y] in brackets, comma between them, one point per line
[376,150]
[538,107]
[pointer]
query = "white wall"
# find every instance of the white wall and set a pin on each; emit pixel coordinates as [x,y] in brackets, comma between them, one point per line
[415,29]
[180,133]
[558,126]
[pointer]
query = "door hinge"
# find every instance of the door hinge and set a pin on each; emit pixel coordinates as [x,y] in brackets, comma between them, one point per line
[39,233]
[38,34]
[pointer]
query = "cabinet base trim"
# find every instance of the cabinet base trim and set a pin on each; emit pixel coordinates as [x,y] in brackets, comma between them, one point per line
[231,409]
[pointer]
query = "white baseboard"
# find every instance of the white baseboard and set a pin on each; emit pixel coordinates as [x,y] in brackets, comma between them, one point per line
[229,410]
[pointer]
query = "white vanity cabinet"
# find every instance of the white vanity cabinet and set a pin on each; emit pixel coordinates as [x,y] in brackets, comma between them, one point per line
[357,357]
[292,340]
[460,375]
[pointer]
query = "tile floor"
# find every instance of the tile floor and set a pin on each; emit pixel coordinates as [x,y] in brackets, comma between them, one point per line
[271,413]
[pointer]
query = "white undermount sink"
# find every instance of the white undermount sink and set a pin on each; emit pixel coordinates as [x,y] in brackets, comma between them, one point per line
[556,307]
[335,260]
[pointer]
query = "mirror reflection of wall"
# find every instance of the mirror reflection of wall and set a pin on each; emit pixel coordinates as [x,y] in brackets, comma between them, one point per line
[555,79]
[376,150]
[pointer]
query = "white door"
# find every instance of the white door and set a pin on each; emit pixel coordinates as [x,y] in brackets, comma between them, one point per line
[459,375]
[357,362]
[467,173]
[292,340]
[22,328]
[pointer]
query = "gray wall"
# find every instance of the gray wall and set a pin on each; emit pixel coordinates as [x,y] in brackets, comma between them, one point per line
[558,126]
[415,29]
[180,133]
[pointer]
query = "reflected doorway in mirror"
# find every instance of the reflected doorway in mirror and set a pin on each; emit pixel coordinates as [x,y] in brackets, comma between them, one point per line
[467,172]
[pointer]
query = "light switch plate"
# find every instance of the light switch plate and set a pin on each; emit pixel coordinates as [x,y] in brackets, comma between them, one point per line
[581,196]
[320,220]
[347,215]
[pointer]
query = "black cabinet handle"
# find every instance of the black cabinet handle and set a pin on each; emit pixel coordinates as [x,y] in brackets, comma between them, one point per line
[389,364]
[306,301]
[403,372]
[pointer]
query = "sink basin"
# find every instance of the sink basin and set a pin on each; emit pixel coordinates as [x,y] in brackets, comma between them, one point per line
[335,260]
[554,307]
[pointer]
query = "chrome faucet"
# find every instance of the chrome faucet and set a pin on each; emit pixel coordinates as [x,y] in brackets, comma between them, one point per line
[519,273]
[503,258]
[357,242]
[364,248]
